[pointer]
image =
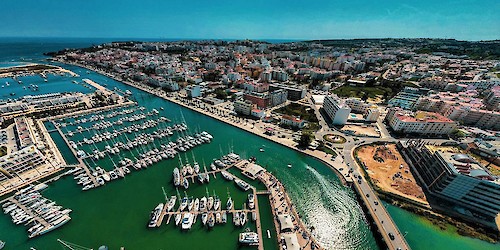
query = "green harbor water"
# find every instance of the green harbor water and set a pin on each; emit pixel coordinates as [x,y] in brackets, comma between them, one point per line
[422,234]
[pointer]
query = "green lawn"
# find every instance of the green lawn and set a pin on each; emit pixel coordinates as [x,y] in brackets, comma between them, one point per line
[305,113]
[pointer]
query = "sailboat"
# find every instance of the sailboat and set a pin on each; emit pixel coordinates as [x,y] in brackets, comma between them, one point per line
[229,203]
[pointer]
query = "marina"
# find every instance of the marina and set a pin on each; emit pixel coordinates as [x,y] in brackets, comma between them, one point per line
[212,213]
[115,136]
[133,181]
[41,215]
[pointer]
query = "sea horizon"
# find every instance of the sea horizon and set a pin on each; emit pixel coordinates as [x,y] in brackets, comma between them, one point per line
[164,39]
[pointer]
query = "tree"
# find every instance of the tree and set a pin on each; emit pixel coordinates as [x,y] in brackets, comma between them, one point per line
[386,96]
[305,140]
[364,97]
[220,93]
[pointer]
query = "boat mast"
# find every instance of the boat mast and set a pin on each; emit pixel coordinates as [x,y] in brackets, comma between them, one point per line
[164,193]
[72,246]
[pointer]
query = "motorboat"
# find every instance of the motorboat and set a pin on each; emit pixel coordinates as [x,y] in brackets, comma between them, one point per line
[249,238]
[251,203]
[226,175]
[229,203]
[242,184]
[204,218]
[211,220]
[155,215]
[178,218]
[187,221]
[171,203]
[243,218]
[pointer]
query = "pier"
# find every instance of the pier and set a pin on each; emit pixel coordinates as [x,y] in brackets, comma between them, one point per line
[41,215]
[280,202]
[80,161]
[29,212]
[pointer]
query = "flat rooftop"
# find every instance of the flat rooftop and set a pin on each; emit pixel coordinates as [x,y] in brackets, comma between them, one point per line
[466,165]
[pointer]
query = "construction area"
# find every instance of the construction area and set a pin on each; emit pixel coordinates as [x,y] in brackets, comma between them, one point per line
[389,172]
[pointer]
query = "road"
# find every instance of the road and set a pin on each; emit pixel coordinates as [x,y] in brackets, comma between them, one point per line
[381,217]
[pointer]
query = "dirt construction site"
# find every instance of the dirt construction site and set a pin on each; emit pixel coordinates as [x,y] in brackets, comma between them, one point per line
[387,169]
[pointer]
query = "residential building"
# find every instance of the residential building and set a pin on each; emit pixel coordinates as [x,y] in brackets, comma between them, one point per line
[292,121]
[295,93]
[260,99]
[193,91]
[336,109]
[258,113]
[358,105]
[407,98]
[243,107]
[482,84]
[480,118]
[170,85]
[461,186]
[420,122]
[372,115]
[252,86]
[492,98]
[278,97]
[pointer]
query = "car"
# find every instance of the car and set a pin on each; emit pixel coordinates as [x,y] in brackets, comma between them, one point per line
[391,236]
[367,195]
[375,202]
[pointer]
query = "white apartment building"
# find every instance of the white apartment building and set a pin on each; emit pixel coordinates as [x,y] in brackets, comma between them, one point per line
[370,111]
[372,115]
[336,109]
[243,107]
[420,122]
[480,118]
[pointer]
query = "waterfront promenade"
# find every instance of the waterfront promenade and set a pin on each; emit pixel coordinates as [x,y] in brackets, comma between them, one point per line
[341,168]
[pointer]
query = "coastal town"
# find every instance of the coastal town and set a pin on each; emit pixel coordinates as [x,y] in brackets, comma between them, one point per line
[397,124]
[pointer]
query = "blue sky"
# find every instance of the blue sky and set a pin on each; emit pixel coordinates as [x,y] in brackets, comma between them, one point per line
[253,19]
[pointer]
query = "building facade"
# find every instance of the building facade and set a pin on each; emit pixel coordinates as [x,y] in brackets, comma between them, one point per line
[295,93]
[420,122]
[243,107]
[336,110]
[292,121]
[457,181]
[193,91]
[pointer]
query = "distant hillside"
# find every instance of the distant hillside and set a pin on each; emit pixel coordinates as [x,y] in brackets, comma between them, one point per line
[474,50]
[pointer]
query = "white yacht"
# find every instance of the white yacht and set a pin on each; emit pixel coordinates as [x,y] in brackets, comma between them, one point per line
[249,238]
[155,215]
[251,203]
[229,203]
[171,203]
[187,221]
[204,218]
[226,175]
